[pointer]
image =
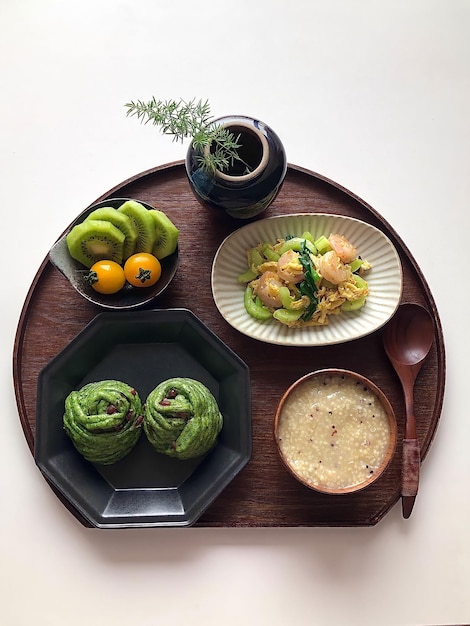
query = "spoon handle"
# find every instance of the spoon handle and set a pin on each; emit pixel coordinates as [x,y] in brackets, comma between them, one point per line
[410,475]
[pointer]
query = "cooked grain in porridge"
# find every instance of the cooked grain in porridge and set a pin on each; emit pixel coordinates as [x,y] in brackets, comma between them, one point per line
[333,431]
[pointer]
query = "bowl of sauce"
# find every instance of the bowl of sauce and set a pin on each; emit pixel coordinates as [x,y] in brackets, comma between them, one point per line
[335,431]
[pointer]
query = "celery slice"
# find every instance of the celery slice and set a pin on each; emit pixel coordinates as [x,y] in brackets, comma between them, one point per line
[247,277]
[360,282]
[255,257]
[255,309]
[296,244]
[308,236]
[355,265]
[353,305]
[323,245]
[287,317]
[286,298]
[269,253]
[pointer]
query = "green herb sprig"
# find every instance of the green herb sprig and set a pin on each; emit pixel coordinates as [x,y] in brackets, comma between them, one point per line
[218,147]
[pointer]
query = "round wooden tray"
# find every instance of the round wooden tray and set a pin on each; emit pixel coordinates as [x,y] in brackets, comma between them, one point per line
[263,494]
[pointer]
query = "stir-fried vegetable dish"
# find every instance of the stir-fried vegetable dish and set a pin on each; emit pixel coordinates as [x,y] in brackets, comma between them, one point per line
[300,281]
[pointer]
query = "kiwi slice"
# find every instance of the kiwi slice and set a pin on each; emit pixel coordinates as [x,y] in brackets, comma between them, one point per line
[121,221]
[143,223]
[166,234]
[93,240]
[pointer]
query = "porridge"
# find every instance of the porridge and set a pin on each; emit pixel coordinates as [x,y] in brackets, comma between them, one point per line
[333,431]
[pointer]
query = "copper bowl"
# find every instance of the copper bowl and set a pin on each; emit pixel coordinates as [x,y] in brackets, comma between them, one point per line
[346,431]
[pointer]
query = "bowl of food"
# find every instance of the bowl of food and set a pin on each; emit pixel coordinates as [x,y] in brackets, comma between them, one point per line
[120,253]
[143,419]
[307,279]
[335,431]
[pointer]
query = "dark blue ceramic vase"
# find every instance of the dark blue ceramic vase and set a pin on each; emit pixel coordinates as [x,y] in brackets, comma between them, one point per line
[242,195]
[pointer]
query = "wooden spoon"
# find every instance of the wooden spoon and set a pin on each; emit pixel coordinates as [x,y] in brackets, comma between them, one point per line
[407,340]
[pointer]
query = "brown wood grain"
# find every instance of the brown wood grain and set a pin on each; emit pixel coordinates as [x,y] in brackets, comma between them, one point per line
[263,494]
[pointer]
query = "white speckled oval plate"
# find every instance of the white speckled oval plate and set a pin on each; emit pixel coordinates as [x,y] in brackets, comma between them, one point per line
[385,279]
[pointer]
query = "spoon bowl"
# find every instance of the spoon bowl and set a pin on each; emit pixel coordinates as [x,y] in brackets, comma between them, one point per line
[408,339]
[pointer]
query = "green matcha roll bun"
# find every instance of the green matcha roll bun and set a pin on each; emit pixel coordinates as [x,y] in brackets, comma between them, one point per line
[103,419]
[182,418]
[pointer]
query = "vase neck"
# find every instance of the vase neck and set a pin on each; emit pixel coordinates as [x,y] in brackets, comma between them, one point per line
[253,152]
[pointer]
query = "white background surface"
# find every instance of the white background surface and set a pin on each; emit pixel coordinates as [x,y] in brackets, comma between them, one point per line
[374,95]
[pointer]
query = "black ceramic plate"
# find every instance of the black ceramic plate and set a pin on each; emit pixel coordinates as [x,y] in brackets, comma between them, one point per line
[144,348]
[129,297]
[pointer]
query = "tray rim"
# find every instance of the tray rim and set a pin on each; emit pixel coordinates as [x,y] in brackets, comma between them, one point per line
[168,169]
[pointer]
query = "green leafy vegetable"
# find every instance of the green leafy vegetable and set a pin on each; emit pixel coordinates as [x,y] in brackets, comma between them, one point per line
[308,287]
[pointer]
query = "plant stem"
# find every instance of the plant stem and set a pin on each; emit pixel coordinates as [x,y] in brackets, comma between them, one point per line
[217,145]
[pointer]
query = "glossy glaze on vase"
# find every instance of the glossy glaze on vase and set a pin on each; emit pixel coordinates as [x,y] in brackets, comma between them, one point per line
[240,194]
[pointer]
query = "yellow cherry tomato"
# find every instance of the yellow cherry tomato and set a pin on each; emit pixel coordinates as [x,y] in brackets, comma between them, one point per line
[142,269]
[106,277]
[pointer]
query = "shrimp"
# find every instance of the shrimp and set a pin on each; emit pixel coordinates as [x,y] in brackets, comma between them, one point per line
[343,248]
[331,268]
[289,268]
[268,289]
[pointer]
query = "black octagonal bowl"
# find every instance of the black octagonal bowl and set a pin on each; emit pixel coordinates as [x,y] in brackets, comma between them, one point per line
[145,489]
